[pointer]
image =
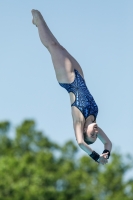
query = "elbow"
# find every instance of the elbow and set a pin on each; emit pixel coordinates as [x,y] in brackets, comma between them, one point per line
[108,145]
[108,142]
[80,143]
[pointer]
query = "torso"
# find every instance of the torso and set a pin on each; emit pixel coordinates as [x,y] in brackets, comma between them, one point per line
[82,102]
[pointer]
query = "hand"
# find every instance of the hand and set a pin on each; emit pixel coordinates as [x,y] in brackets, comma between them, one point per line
[103,158]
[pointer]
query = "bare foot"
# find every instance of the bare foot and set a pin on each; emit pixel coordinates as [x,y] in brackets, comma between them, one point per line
[37,17]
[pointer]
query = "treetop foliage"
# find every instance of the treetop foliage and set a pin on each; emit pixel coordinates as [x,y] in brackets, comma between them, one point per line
[34,168]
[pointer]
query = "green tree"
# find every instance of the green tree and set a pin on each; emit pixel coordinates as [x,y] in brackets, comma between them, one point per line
[34,168]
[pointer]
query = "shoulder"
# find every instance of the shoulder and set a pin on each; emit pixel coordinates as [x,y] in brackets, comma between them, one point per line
[77,115]
[77,123]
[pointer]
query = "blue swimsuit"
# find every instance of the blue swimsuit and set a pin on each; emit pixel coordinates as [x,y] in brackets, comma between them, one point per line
[83,99]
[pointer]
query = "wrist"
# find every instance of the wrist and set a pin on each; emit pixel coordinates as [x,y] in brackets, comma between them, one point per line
[107,151]
[95,156]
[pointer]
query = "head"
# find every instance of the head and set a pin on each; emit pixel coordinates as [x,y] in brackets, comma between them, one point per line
[90,133]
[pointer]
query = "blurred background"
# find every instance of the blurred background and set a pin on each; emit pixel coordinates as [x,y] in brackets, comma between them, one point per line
[99,34]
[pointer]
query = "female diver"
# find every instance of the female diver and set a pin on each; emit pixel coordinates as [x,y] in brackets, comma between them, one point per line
[70,76]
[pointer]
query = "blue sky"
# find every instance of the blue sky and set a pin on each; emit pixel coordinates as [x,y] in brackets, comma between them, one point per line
[99,34]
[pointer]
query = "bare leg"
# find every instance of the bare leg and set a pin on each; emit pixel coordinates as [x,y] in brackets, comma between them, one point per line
[63,62]
[46,37]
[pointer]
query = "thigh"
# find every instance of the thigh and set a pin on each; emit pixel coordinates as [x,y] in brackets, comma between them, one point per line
[64,63]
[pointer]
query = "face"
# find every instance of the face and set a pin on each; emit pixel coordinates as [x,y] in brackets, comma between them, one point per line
[92,132]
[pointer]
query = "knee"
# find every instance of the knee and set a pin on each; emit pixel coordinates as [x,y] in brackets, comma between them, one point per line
[55,46]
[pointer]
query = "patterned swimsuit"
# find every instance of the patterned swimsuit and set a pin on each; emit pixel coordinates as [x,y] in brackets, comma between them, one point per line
[84,101]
